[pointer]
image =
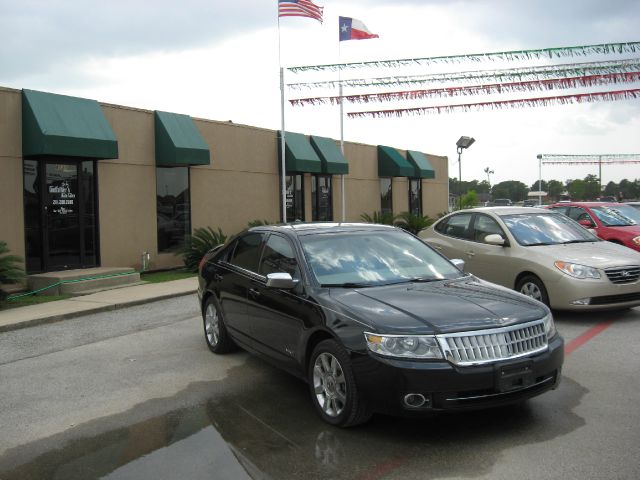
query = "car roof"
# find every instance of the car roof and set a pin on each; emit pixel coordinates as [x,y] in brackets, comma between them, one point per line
[587,204]
[506,210]
[306,228]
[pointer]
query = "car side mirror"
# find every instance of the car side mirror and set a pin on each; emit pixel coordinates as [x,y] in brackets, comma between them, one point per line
[494,239]
[459,263]
[281,280]
[586,223]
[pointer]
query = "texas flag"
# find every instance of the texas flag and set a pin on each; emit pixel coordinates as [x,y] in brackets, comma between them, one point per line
[354,29]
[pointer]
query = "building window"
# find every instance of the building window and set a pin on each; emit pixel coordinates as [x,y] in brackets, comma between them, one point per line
[386,203]
[321,204]
[295,197]
[173,207]
[415,196]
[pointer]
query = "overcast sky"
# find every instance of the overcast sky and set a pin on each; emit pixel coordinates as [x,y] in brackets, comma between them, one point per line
[219,60]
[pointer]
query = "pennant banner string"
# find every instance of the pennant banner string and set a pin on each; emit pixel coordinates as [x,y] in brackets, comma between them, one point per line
[500,75]
[535,85]
[512,55]
[519,103]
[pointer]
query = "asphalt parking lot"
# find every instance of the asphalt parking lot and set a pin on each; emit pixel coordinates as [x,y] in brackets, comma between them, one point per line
[239,418]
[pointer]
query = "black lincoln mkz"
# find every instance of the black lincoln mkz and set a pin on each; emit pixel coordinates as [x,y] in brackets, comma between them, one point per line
[375,321]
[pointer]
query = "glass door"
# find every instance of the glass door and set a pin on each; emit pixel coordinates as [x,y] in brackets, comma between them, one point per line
[62,216]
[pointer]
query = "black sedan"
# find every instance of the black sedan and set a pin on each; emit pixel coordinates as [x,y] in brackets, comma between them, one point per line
[375,320]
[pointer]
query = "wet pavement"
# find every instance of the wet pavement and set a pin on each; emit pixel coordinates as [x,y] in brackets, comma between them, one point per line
[258,423]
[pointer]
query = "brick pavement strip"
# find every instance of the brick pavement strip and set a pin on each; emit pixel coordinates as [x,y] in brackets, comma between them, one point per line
[29,316]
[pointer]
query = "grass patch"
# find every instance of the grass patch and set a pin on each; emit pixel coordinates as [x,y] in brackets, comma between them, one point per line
[31,300]
[166,276]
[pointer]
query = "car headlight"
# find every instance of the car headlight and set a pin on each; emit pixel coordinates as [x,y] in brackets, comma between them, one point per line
[636,240]
[404,346]
[549,326]
[577,271]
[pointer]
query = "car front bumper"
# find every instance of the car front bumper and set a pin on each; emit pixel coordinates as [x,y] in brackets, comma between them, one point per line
[572,294]
[385,383]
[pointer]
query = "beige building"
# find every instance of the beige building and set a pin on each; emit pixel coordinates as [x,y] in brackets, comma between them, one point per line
[84,184]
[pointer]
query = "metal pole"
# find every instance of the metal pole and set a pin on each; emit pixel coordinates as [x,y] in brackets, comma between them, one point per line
[600,174]
[282,150]
[459,178]
[342,150]
[539,179]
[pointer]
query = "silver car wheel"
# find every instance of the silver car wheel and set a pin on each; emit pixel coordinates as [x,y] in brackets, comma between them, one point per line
[329,384]
[532,290]
[212,325]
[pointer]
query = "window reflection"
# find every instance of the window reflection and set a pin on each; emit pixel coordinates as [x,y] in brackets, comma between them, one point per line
[321,202]
[173,207]
[386,204]
[295,197]
[415,196]
[546,229]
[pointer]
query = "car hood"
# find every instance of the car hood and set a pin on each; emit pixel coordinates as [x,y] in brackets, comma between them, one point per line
[439,307]
[593,254]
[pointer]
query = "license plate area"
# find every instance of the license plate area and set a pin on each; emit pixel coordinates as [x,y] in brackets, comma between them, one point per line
[514,376]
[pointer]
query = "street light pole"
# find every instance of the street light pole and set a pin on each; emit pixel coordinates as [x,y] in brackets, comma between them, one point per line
[461,144]
[539,179]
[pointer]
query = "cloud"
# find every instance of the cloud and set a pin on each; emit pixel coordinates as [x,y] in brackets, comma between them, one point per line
[45,35]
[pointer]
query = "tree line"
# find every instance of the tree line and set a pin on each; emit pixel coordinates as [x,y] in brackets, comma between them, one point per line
[585,189]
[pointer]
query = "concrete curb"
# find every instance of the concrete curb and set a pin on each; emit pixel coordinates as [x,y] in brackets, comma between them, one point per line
[97,309]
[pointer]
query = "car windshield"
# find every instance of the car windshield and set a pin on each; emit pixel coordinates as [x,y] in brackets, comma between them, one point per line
[370,258]
[531,229]
[617,215]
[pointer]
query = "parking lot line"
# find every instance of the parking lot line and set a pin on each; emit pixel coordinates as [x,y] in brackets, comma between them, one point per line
[585,337]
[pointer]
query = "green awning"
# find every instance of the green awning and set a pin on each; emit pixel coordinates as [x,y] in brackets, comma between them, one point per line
[65,126]
[178,141]
[392,164]
[331,158]
[421,163]
[300,156]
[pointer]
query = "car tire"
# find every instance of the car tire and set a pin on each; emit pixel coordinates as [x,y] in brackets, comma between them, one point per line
[333,387]
[532,286]
[215,331]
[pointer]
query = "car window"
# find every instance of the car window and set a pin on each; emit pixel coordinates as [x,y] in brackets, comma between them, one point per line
[373,258]
[532,229]
[247,252]
[617,216]
[278,256]
[485,225]
[458,225]
[559,209]
[579,213]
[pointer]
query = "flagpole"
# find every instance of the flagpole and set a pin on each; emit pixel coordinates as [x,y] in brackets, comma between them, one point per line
[341,125]
[283,185]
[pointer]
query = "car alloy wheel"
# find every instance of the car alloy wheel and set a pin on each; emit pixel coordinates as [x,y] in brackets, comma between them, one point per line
[212,325]
[329,384]
[215,331]
[333,386]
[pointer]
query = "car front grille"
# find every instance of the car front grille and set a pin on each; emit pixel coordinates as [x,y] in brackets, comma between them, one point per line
[488,346]
[628,274]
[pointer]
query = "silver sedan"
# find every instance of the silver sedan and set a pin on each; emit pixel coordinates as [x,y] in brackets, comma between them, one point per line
[542,254]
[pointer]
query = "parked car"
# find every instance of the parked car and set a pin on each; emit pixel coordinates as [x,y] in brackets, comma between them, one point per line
[540,253]
[375,320]
[615,222]
[502,202]
[530,203]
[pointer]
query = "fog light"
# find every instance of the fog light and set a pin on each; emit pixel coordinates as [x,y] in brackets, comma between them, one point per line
[582,301]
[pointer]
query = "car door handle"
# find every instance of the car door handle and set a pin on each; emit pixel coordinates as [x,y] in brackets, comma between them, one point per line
[217,277]
[437,247]
[253,293]
[471,253]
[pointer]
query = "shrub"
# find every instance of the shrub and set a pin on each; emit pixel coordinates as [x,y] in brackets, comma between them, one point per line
[10,269]
[258,223]
[413,223]
[378,217]
[197,245]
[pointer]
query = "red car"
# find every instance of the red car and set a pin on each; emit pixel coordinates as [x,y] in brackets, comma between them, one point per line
[615,222]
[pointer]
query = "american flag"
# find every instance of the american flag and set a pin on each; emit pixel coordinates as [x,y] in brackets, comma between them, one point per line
[299,8]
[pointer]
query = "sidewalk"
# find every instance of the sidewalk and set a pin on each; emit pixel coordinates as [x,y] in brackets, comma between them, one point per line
[29,316]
